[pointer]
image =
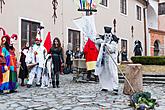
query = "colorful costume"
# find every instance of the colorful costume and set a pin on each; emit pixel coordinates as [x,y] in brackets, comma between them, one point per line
[4,74]
[10,74]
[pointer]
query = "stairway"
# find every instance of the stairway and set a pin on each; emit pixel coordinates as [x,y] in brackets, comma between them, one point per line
[148,78]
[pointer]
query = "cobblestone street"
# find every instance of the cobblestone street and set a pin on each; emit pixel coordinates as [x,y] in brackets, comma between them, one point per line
[74,96]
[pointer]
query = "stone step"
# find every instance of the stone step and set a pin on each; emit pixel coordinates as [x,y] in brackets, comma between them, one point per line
[148,78]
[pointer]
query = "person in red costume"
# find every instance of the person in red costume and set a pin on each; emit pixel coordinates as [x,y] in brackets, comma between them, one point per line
[91,53]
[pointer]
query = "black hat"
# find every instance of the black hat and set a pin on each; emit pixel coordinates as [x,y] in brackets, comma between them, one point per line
[107,29]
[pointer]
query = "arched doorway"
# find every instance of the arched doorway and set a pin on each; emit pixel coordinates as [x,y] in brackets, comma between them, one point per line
[156,47]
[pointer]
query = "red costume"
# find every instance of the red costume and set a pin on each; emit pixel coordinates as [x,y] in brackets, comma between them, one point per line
[91,54]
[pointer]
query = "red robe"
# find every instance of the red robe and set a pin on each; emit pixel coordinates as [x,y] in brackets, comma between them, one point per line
[91,54]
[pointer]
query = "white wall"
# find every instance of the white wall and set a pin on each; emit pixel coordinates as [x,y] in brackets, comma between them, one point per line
[152,14]
[67,11]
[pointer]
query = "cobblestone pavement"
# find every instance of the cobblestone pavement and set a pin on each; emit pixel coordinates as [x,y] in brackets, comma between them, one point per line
[74,96]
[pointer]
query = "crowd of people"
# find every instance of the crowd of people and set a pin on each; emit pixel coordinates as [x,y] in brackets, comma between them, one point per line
[45,65]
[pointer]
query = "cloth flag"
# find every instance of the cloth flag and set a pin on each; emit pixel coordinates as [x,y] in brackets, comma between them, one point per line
[87,25]
[48,43]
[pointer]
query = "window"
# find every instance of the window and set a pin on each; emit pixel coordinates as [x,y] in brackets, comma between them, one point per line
[74,38]
[161,8]
[123,44]
[28,31]
[138,8]
[104,3]
[123,50]
[123,6]
[156,48]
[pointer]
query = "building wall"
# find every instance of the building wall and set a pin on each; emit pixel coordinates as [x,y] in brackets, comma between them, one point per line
[106,15]
[66,12]
[161,22]
[157,35]
[28,9]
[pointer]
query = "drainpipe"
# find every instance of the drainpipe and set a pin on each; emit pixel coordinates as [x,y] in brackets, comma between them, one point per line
[145,28]
[145,33]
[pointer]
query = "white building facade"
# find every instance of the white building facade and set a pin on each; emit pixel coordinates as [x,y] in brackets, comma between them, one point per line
[23,17]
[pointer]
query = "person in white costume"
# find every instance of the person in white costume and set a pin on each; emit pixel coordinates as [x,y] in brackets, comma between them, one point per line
[38,56]
[106,68]
[46,74]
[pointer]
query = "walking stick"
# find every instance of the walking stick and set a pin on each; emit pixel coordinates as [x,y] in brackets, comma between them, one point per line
[119,69]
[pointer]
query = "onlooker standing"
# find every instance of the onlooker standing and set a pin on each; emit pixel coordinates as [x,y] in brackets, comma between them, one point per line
[69,58]
[57,61]
[23,72]
[124,54]
[78,53]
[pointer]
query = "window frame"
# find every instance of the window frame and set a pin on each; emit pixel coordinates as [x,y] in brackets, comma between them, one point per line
[161,8]
[19,28]
[125,5]
[107,5]
[71,40]
[138,15]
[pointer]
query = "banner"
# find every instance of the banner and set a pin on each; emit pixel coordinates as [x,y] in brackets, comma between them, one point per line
[87,25]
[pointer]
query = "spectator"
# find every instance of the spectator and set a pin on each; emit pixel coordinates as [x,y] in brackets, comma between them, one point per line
[69,58]
[23,72]
[57,61]
[78,53]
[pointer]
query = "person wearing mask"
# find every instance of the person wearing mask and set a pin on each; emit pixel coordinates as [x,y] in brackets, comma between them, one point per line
[10,83]
[38,53]
[106,67]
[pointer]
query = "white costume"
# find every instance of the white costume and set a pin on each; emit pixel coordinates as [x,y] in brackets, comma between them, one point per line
[39,59]
[106,68]
[46,74]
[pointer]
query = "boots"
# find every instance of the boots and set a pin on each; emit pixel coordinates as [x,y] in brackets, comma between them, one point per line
[53,83]
[22,83]
[57,84]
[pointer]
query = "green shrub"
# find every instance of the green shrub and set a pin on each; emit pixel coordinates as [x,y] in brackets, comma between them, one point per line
[149,60]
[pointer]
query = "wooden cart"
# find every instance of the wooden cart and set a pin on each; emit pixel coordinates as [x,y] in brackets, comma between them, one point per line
[79,69]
